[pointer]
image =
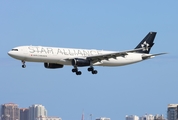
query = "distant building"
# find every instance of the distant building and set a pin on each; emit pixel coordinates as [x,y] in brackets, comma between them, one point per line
[10,111]
[131,117]
[159,117]
[172,112]
[37,110]
[24,114]
[103,118]
[48,118]
[147,117]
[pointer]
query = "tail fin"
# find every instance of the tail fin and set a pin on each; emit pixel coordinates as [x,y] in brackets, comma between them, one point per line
[146,43]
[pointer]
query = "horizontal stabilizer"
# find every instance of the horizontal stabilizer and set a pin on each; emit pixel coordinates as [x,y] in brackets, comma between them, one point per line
[146,56]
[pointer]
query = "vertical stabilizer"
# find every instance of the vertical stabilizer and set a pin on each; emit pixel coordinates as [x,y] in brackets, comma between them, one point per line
[147,43]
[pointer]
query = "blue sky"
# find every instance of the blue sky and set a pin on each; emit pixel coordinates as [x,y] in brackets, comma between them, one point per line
[146,87]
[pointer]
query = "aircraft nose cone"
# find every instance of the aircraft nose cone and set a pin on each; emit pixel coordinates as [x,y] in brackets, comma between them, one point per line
[9,53]
[16,55]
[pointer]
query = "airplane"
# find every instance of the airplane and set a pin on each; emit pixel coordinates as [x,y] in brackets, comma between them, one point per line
[54,57]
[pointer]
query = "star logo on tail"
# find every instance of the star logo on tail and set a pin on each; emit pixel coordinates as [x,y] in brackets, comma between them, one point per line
[145,46]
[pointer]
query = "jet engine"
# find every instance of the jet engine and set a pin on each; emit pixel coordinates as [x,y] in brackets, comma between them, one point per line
[52,65]
[80,62]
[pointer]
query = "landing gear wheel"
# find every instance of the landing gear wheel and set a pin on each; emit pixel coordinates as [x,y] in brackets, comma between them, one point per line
[23,66]
[94,72]
[90,69]
[78,73]
[74,70]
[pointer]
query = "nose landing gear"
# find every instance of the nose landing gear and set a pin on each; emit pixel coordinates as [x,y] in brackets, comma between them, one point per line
[23,64]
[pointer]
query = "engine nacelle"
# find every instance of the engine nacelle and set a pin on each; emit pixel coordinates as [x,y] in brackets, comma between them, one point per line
[80,62]
[52,65]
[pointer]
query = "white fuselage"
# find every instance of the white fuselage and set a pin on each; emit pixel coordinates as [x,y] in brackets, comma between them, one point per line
[61,55]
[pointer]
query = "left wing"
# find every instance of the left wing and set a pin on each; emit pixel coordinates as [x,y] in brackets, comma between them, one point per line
[98,58]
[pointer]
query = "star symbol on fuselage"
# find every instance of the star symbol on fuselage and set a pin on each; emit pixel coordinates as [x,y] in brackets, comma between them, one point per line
[145,46]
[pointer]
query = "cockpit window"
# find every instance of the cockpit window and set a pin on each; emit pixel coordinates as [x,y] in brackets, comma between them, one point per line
[14,49]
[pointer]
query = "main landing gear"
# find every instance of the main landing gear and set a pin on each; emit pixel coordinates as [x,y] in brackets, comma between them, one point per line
[90,69]
[75,70]
[23,64]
